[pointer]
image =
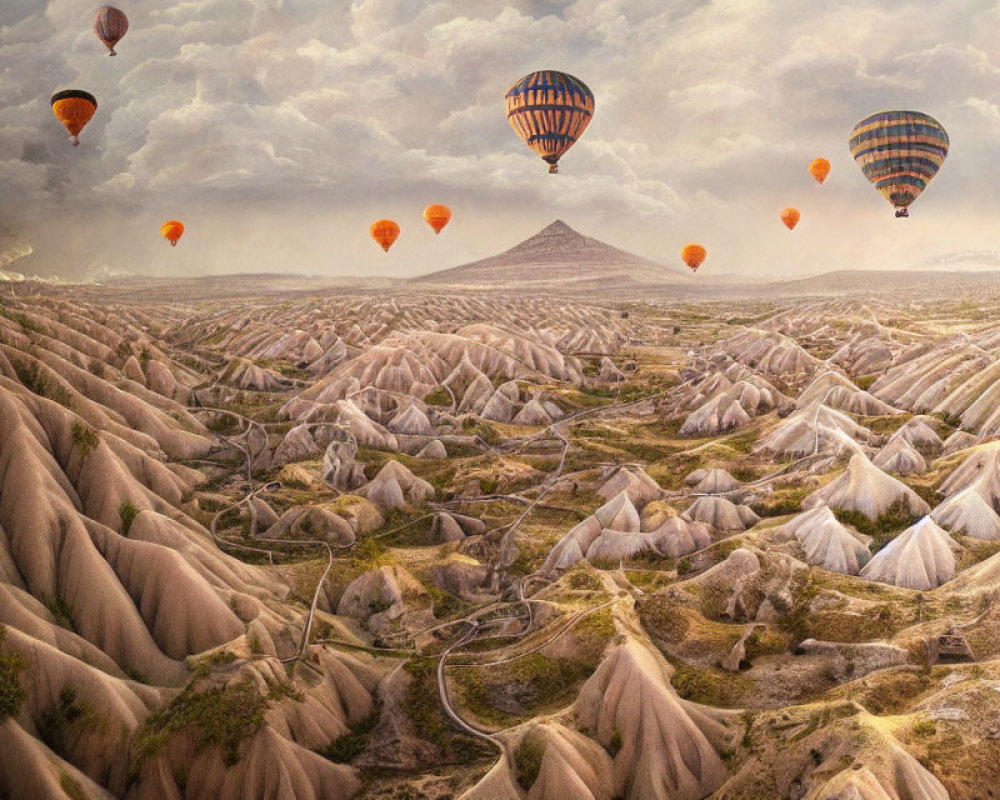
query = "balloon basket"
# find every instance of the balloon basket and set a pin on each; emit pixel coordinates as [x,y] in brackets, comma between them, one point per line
[902,212]
[553,169]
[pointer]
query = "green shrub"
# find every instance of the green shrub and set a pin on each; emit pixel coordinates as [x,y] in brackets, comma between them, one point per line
[127,512]
[84,437]
[69,712]
[883,529]
[615,743]
[439,397]
[35,380]
[12,693]
[348,747]
[203,666]
[223,717]
[71,787]
[528,759]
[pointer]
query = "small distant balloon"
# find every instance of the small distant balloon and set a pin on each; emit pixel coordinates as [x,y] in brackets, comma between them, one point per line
[110,25]
[73,108]
[437,216]
[549,110]
[385,232]
[172,231]
[899,152]
[693,255]
[790,216]
[819,168]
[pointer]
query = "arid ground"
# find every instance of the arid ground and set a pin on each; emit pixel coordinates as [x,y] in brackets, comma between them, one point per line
[280,540]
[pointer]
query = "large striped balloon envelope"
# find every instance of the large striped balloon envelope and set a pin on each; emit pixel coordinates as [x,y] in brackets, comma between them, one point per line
[549,110]
[899,152]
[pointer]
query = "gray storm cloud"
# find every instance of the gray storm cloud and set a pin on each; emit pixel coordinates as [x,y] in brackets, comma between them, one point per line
[277,130]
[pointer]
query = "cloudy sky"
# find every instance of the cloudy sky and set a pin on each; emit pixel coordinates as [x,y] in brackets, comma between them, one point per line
[278,130]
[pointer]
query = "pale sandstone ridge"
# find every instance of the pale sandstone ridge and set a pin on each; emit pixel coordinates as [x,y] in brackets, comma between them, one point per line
[829,544]
[863,487]
[665,753]
[921,557]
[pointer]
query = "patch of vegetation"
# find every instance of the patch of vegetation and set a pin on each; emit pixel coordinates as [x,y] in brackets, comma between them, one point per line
[781,502]
[410,529]
[664,618]
[203,666]
[223,717]
[438,397]
[744,474]
[710,686]
[127,512]
[351,745]
[947,418]
[35,380]
[615,743]
[582,577]
[883,529]
[71,786]
[540,682]
[12,693]
[70,711]
[528,759]
[84,438]
[483,429]
[744,442]
[445,604]
[864,382]
[649,580]
[223,424]
[924,727]
[886,424]
[765,642]
[422,706]
[894,695]
[795,619]
[61,610]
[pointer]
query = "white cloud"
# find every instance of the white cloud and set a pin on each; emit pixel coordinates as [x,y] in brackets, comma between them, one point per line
[310,116]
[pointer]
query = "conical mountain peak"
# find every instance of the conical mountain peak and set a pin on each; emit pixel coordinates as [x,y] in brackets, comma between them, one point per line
[555,257]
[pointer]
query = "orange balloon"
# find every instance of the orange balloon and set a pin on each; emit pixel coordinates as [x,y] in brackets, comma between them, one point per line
[172,231]
[693,255]
[73,108]
[819,168]
[790,216]
[385,232]
[437,216]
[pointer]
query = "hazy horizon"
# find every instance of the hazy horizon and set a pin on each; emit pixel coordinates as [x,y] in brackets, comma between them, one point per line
[278,130]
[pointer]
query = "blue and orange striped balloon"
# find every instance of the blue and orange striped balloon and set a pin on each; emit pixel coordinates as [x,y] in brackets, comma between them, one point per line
[899,152]
[549,110]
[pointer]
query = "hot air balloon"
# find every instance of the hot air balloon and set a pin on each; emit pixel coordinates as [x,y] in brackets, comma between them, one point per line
[549,110]
[437,216]
[693,255]
[110,25]
[172,231]
[899,152]
[790,216]
[819,168]
[385,232]
[73,108]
